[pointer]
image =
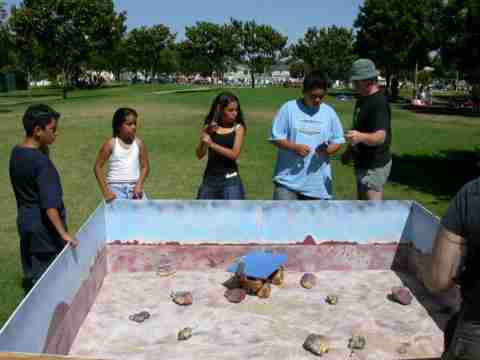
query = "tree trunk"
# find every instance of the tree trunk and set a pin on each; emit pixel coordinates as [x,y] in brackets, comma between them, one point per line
[65,85]
[252,75]
[29,79]
[415,81]
[388,78]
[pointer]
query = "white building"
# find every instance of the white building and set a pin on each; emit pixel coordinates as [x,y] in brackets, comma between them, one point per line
[238,75]
[280,73]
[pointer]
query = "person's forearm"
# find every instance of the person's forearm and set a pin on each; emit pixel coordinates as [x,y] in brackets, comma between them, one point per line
[436,279]
[332,149]
[201,150]
[102,182]
[144,171]
[442,267]
[373,139]
[54,217]
[285,144]
[231,154]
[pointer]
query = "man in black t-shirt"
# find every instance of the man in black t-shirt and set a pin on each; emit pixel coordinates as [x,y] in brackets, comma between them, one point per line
[456,260]
[41,218]
[371,135]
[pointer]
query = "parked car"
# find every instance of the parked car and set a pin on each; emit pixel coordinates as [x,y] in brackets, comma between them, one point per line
[460,102]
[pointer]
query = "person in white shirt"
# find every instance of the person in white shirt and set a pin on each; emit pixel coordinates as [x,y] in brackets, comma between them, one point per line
[127,157]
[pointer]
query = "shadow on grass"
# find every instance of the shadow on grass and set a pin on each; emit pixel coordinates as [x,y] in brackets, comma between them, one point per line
[35,95]
[441,174]
[81,97]
[190,91]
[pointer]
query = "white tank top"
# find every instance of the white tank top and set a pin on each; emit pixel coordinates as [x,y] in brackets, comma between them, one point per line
[124,163]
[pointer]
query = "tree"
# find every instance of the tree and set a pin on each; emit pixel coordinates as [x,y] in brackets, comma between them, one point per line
[260,45]
[396,33]
[69,32]
[461,37]
[5,39]
[116,60]
[213,45]
[298,69]
[146,48]
[327,49]
[424,77]
[28,50]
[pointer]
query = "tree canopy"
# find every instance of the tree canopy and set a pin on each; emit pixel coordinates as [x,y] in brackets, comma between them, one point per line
[147,49]
[260,45]
[68,31]
[327,49]
[396,34]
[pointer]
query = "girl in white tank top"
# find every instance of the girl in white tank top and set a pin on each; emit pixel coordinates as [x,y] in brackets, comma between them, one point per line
[127,158]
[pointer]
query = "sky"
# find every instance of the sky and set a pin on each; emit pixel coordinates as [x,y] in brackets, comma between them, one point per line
[291,18]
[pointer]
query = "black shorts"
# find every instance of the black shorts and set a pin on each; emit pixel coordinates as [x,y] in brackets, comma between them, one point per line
[462,343]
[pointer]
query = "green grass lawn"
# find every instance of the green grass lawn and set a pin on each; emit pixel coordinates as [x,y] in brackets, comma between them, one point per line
[433,155]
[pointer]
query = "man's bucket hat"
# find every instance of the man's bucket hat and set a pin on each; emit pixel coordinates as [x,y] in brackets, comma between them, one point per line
[363,69]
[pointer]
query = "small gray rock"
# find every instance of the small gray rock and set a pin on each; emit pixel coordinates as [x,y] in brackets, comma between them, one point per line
[403,349]
[182,298]
[235,295]
[331,299]
[140,317]
[357,342]
[308,280]
[316,344]
[184,334]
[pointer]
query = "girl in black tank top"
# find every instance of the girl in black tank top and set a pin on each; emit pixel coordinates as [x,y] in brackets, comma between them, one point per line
[222,137]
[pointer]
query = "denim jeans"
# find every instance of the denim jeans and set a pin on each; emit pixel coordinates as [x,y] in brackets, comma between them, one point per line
[124,191]
[221,188]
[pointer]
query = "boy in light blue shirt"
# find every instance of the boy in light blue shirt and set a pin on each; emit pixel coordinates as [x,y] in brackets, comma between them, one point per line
[307,132]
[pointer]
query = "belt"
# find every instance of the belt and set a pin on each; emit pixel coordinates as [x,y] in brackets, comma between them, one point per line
[230,175]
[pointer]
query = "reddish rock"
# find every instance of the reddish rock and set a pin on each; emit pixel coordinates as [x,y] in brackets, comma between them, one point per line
[182,298]
[309,240]
[401,295]
[235,295]
[308,280]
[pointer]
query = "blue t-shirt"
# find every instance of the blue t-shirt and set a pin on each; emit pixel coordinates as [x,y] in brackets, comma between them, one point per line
[310,175]
[37,187]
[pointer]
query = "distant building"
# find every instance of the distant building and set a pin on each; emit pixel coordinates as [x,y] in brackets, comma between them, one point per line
[280,73]
[238,74]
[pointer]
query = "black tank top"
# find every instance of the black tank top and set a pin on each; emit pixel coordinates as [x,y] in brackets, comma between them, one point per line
[219,165]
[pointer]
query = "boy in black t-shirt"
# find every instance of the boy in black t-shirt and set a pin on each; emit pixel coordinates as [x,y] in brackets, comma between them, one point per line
[455,260]
[41,218]
[371,135]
